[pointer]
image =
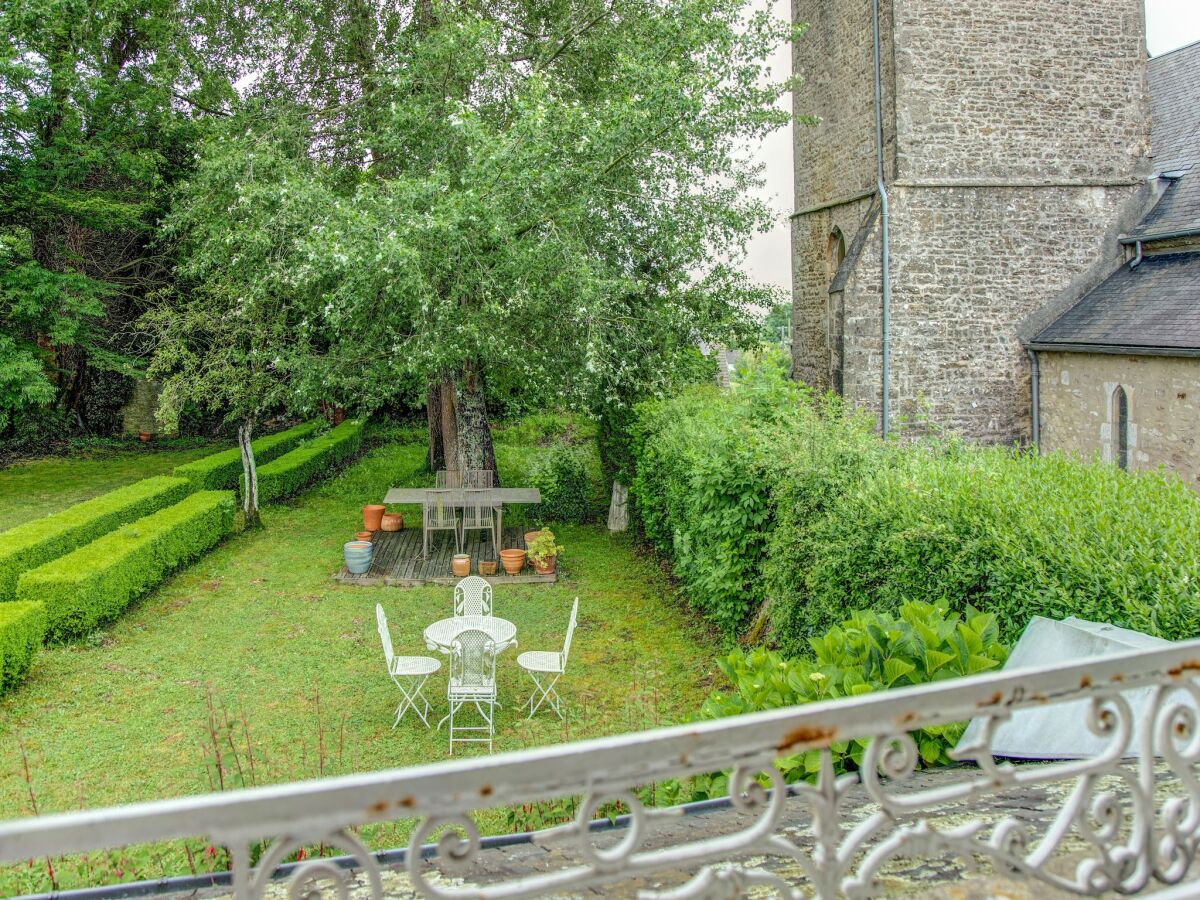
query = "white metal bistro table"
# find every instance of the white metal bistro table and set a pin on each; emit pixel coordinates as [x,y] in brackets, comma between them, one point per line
[441,634]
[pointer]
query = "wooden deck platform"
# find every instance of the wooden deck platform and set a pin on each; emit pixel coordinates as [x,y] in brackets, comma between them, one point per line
[396,560]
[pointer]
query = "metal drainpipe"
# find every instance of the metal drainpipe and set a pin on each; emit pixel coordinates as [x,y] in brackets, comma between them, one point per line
[885,261]
[1137,260]
[1034,401]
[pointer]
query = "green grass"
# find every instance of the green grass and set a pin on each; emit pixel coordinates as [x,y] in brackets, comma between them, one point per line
[259,629]
[33,488]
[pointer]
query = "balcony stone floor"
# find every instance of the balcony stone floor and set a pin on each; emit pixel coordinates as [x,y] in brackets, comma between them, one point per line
[942,878]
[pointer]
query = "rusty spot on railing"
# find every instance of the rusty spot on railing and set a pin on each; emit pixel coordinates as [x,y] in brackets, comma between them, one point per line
[1118,678]
[807,734]
[1190,665]
[407,802]
[993,700]
[906,718]
[486,790]
[1085,681]
[377,808]
[683,759]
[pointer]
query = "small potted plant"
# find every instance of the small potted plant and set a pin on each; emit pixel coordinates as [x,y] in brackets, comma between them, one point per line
[543,552]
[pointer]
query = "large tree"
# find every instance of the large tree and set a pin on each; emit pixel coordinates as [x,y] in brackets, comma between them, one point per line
[544,194]
[100,102]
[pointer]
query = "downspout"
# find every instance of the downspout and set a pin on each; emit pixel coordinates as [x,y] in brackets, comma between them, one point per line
[1137,260]
[1034,401]
[884,260]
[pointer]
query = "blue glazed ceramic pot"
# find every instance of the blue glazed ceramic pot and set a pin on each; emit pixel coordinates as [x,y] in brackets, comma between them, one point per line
[358,556]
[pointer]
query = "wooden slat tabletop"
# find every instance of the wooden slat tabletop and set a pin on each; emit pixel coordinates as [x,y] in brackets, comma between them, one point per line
[453,496]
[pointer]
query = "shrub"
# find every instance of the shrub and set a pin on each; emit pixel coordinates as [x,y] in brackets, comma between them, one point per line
[705,472]
[92,585]
[561,477]
[223,471]
[1013,533]
[22,628]
[308,462]
[867,652]
[34,543]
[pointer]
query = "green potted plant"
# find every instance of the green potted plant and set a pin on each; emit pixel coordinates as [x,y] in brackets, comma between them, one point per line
[543,552]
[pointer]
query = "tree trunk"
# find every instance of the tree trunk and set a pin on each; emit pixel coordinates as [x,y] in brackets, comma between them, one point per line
[433,413]
[249,475]
[449,423]
[475,448]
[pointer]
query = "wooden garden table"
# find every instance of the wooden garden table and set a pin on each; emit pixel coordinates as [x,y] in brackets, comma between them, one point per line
[456,497]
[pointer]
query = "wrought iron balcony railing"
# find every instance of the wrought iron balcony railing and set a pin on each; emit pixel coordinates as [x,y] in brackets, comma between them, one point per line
[1132,823]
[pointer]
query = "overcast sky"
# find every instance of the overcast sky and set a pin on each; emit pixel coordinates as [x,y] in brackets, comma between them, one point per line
[1169,24]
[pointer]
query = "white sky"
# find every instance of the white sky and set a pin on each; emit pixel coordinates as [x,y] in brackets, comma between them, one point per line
[1169,24]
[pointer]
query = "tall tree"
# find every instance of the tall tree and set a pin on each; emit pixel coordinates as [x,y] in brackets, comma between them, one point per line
[99,104]
[548,195]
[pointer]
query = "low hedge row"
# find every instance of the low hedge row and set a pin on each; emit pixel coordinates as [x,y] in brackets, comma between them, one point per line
[767,499]
[38,542]
[22,628]
[92,585]
[309,461]
[222,471]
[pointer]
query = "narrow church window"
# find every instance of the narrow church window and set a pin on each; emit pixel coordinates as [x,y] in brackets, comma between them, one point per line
[1121,414]
[837,251]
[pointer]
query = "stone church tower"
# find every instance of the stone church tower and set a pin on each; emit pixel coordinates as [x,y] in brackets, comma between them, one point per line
[1015,139]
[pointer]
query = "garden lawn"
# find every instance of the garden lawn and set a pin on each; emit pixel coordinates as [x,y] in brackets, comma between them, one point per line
[259,631]
[33,488]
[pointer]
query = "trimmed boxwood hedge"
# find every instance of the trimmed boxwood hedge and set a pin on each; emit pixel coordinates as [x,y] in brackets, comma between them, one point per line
[22,628]
[222,471]
[308,462]
[92,585]
[34,543]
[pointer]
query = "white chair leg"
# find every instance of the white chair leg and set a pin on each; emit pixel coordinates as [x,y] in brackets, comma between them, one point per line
[544,694]
[410,702]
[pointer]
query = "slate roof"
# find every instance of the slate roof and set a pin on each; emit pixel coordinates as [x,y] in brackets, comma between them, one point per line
[1154,306]
[1175,141]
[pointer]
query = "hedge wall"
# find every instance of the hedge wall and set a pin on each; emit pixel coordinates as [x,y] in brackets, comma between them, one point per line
[308,462]
[766,499]
[222,471]
[34,543]
[22,629]
[92,585]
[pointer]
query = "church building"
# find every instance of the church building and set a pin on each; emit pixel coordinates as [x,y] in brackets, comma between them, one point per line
[980,200]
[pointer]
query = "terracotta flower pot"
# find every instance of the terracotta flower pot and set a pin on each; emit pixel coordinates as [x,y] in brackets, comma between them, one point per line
[513,560]
[530,535]
[144,437]
[487,567]
[363,535]
[460,565]
[392,522]
[545,566]
[372,516]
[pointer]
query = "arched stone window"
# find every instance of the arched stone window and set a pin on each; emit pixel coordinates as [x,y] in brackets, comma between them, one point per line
[836,251]
[1120,414]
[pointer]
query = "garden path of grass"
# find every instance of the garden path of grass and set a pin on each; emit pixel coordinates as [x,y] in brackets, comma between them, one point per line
[260,628]
[33,488]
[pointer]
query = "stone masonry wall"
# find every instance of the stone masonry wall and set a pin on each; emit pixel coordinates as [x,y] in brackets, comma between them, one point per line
[1021,89]
[968,264]
[812,272]
[835,158]
[1164,408]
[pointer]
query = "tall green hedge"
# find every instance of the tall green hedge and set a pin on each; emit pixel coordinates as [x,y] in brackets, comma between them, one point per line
[92,585]
[222,471]
[765,494]
[22,628]
[309,462]
[34,543]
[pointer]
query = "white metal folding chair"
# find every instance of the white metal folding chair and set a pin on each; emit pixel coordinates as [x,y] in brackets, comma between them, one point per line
[545,668]
[438,514]
[416,669]
[472,681]
[479,514]
[448,478]
[473,597]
